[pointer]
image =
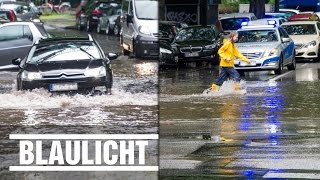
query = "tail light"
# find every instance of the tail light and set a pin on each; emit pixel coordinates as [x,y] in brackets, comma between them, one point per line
[12,16]
[96,12]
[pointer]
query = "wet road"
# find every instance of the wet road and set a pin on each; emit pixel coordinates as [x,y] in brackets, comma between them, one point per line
[131,109]
[270,129]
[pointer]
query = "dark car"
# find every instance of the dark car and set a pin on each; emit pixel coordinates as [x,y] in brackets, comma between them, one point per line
[17,38]
[168,29]
[109,23]
[167,55]
[196,43]
[65,64]
[7,16]
[23,10]
[89,17]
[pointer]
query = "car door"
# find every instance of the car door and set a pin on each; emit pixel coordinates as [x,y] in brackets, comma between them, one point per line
[288,47]
[15,42]
[127,29]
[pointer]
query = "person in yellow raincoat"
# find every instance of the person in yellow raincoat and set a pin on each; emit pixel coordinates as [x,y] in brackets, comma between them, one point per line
[227,53]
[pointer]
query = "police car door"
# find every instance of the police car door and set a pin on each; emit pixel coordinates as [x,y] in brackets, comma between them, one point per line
[288,47]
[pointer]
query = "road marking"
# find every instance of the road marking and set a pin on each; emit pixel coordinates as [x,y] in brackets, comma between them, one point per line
[282,75]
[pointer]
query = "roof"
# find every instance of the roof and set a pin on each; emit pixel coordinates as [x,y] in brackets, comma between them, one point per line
[55,39]
[258,27]
[299,22]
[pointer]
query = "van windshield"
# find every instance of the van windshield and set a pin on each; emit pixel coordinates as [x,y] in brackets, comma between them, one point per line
[151,12]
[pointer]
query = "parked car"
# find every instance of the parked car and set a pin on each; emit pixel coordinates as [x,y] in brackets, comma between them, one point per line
[290,12]
[139,28]
[169,29]
[23,10]
[65,64]
[168,56]
[197,43]
[17,39]
[7,16]
[277,15]
[109,22]
[304,16]
[267,47]
[233,22]
[306,37]
[89,17]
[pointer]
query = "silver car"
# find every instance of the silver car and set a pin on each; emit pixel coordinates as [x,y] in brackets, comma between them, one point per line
[109,22]
[268,48]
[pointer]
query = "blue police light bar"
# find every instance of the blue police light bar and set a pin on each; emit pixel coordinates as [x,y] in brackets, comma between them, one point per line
[245,23]
[272,22]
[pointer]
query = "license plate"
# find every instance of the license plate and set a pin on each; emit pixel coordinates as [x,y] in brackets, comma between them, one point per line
[194,54]
[253,63]
[64,87]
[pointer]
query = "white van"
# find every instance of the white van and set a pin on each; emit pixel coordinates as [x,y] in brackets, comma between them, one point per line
[139,28]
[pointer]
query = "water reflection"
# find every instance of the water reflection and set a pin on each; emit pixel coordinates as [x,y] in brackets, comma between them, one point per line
[146,68]
[307,74]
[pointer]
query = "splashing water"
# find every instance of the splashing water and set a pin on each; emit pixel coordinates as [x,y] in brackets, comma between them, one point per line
[227,88]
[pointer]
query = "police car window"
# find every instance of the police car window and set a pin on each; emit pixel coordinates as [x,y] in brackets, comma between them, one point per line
[11,33]
[300,29]
[250,36]
[283,33]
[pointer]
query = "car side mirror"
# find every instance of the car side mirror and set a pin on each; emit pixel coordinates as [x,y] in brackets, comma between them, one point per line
[16,61]
[285,40]
[112,56]
[129,18]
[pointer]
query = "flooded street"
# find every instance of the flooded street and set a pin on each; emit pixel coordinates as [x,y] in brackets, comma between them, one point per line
[270,129]
[130,109]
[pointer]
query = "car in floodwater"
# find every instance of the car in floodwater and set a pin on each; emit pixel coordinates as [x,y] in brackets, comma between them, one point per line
[167,54]
[197,43]
[268,47]
[17,38]
[65,64]
[306,37]
[109,22]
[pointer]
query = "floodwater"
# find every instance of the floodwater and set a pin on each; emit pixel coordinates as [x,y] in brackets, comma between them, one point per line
[132,108]
[269,129]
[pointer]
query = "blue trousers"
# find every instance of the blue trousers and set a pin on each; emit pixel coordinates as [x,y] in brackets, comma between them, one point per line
[225,72]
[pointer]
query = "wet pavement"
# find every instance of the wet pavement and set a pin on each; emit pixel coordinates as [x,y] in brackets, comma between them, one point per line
[130,109]
[270,129]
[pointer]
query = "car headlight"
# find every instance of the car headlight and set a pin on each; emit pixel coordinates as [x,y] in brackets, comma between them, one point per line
[95,72]
[210,47]
[271,52]
[311,44]
[30,76]
[166,51]
[144,30]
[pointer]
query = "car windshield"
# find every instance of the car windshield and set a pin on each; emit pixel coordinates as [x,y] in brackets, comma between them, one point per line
[257,36]
[233,23]
[146,9]
[188,34]
[63,52]
[4,16]
[300,29]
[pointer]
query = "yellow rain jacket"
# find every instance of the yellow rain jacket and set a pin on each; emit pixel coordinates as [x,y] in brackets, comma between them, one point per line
[228,51]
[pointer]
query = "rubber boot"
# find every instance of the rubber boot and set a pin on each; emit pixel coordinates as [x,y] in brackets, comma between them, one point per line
[214,87]
[237,86]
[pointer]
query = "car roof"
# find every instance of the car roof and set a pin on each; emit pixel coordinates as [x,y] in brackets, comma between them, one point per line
[235,15]
[258,27]
[299,22]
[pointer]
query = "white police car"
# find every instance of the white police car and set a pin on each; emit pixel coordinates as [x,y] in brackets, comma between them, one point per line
[267,46]
[266,21]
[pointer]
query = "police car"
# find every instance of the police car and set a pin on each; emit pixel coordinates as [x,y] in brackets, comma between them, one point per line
[266,21]
[267,46]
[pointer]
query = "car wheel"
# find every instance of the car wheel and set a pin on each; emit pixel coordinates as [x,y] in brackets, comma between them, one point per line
[88,26]
[280,67]
[79,27]
[292,66]
[99,28]
[108,32]
[116,30]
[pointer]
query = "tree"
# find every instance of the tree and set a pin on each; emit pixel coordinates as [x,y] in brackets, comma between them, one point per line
[258,7]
